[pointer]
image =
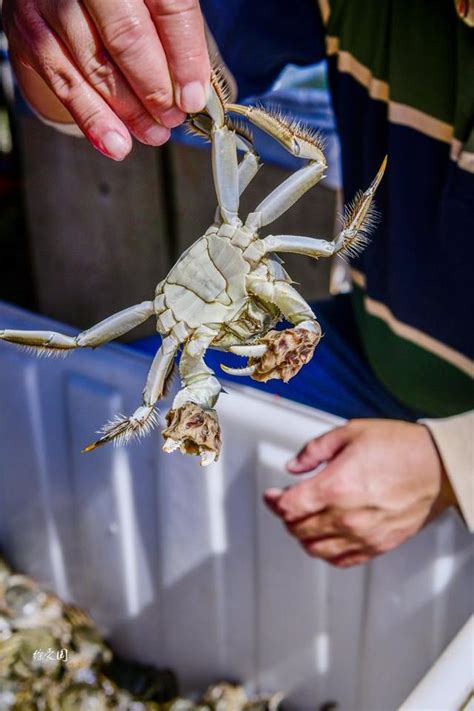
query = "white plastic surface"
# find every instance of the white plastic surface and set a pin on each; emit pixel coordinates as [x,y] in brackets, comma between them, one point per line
[185,567]
[450,682]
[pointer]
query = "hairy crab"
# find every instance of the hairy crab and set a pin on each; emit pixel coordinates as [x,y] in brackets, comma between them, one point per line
[229,289]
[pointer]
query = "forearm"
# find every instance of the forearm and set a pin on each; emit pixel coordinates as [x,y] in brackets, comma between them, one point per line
[453,437]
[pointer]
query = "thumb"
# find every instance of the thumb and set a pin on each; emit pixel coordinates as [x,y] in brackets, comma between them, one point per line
[318,450]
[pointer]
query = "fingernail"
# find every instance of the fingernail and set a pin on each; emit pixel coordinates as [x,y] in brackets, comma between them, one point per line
[273,493]
[114,145]
[156,135]
[292,463]
[192,97]
[172,117]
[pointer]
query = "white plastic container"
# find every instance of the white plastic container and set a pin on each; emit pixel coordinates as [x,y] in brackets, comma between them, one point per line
[185,567]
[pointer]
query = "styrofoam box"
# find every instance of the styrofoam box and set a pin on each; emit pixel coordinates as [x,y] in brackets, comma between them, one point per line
[185,567]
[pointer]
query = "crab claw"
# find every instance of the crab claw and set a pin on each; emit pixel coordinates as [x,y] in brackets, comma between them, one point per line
[249,370]
[287,352]
[193,430]
[255,350]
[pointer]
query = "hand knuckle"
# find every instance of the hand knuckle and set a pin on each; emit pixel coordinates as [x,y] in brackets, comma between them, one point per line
[122,34]
[87,121]
[355,523]
[287,517]
[138,120]
[335,489]
[379,546]
[64,84]
[342,521]
[347,522]
[101,74]
[161,98]
[293,529]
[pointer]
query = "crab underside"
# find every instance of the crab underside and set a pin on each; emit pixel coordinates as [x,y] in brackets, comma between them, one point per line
[229,289]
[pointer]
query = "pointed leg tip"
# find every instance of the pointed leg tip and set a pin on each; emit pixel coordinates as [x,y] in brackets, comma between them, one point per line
[90,447]
[376,182]
[381,170]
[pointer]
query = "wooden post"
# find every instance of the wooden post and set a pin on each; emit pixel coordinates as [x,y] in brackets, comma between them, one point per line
[98,229]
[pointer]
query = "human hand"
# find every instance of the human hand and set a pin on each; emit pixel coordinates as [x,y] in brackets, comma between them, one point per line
[115,67]
[382,482]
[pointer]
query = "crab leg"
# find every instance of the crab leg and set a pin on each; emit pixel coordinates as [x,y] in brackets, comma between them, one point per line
[122,429]
[285,195]
[291,304]
[224,156]
[247,170]
[298,245]
[192,422]
[200,385]
[358,219]
[297,141]
[103,332]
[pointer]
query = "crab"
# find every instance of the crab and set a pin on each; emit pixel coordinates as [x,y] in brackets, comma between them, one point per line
[229,289]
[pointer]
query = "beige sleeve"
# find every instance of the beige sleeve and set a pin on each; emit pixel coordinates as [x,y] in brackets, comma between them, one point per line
[453,437]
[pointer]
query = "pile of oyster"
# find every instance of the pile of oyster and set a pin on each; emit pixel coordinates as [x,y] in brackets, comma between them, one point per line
[52,657]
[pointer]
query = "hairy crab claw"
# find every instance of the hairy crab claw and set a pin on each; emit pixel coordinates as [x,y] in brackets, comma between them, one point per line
[279,354]
[193,430]
[247,370]
[256,350]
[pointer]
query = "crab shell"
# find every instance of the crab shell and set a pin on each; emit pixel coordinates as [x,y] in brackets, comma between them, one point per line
[208,287]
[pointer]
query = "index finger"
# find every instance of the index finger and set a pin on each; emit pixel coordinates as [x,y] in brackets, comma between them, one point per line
[131,38]
[301,500]
[181,29]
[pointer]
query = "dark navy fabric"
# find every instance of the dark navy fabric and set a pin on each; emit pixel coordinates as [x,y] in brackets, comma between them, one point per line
[310,105]
[423,246]
[257,38]
[419,265]
[338,380]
